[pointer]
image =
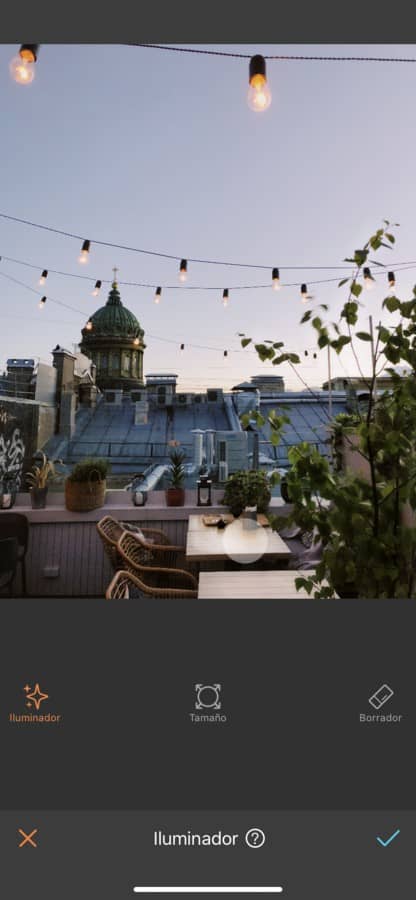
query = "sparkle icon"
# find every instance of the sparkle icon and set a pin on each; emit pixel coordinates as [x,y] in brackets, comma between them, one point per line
[36,696]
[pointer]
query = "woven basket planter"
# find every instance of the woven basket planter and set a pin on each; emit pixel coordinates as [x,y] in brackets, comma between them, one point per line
[83,496]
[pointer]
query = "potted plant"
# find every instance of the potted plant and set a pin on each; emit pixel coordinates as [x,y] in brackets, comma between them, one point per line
[175,494]
[39,477]
[247,488]
[85,487]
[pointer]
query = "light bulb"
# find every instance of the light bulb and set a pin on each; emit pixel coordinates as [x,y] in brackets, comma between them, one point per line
[275,279]
[136,342]
[43,277]
[259,97]
[183,273]
[304,293]
[392,281]
[96,290]
[89,325]
[158,294]
[42,302]
[225,297]
[368,280]
[85,250]
[182,346]
[22,70]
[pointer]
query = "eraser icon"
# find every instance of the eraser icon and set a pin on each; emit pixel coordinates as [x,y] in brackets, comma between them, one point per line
[381,696]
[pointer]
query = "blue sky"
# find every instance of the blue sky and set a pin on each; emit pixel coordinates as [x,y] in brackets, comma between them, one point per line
[159,150]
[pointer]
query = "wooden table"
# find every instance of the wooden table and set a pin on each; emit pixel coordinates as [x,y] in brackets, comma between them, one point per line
[251,585]
[243,541]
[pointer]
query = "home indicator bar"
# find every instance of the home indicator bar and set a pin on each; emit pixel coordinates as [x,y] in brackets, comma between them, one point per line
[208,890]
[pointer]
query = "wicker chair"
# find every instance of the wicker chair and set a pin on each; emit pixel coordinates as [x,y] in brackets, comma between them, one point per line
[130,551]
[110,531]
[127,585]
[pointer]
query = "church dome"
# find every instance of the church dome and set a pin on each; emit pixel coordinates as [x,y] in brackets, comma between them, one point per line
[114,340]
[114,319]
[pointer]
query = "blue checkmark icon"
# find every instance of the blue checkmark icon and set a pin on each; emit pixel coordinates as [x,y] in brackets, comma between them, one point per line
[389,840]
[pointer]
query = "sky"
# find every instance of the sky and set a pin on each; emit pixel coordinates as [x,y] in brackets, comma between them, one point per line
[159,150]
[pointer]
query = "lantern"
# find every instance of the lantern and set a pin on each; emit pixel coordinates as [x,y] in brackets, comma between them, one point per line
[204,485]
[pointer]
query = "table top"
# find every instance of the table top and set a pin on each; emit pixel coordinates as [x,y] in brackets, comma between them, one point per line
[277,585]
[243,541]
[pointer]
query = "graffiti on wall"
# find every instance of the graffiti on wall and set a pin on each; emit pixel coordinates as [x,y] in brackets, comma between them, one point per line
[12,446]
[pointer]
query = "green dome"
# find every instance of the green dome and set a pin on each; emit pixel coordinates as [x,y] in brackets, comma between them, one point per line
[114,319]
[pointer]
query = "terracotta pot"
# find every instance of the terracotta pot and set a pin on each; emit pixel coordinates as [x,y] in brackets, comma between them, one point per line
[175,496]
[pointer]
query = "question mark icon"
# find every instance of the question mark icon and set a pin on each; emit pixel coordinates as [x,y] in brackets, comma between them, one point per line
[255,838]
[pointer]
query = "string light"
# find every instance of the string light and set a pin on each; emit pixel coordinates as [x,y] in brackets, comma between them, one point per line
[42,302]
[183,270]
[225,296]
[304,293]
[259,97]
[89,325]
[158,294]
[275,279]
[136,342]
[85,250]
[97,288]
[368,279]
[43,277]
[392,280]
[22,67]
[225,352]
[182,346]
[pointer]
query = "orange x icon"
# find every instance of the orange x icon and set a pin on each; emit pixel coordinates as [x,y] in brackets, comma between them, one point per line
[27,838]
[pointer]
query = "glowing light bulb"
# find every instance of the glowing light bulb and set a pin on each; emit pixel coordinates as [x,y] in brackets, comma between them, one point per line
[43,277]
[183,270]
[158,294]
[85,251]
[136,342]
[22,70]
[368,280]
[392,281]
[225,297]
[89,325]
[275,279]
[259,97]
[96,290]
[42,302]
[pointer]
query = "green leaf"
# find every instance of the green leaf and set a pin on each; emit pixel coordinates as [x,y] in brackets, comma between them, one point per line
[391,303]
[344,281]
[245,342]
[360,257]
[363,336]
[306,316]
[323,341]
[356,289]
[278,345]
[391,238]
